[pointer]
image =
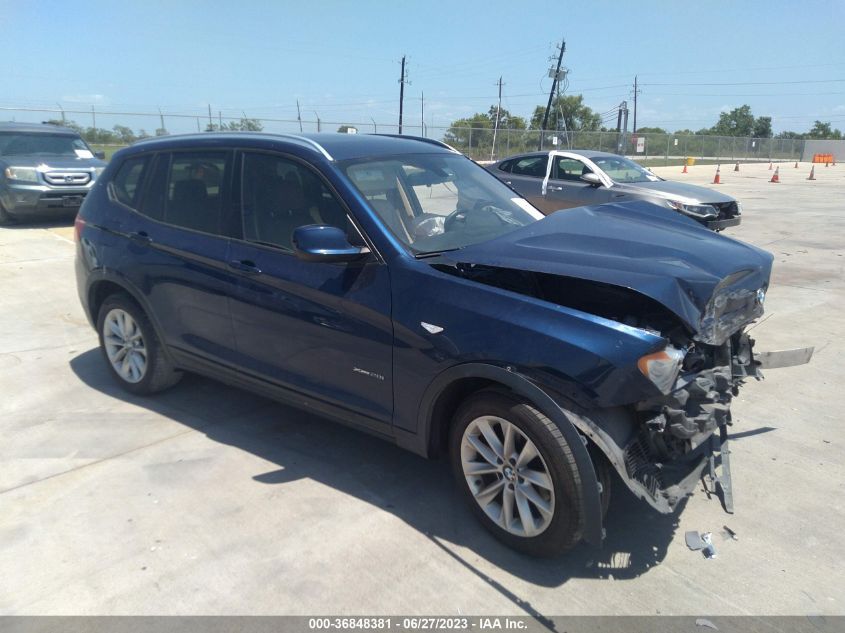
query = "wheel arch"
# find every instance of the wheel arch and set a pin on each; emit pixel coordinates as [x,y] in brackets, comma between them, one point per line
[104,285]
[445,393]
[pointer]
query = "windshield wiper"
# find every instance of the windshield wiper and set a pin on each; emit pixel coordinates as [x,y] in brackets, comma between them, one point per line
[436,253]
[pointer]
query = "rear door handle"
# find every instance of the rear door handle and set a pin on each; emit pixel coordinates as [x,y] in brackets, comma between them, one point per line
[245,266]
[141,237]
[555,188]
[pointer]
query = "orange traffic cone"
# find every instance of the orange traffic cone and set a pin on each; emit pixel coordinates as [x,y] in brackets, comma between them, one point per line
[737,166]
[775,177]
[770,165]
[812,173]
[717,180]
[685,169]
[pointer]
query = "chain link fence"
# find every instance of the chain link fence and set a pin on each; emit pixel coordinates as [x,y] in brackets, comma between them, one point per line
[481,144]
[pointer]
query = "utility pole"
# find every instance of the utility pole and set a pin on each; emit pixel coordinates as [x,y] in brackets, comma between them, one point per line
[161,117]
[298,115]
[219,120]
[94,117]
[422,113]
[210,124]
[496,126]
[555,78]
[636,92]
[403,79]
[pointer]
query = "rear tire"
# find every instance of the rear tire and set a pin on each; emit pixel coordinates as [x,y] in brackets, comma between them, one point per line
[517,472]
[134,355]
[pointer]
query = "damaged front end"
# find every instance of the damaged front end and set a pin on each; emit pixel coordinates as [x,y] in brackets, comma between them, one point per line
[681,432]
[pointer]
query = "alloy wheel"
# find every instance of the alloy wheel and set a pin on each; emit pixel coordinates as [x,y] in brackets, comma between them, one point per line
[507,476]
[125,347]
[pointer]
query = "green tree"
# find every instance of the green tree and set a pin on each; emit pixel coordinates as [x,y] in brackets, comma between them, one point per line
[821,130]
[345,129]
[124,134]
[245,125]
[651,130]
[470,132]
[789,134]
[762,127]
[507,121]
[737,122]
[576,115]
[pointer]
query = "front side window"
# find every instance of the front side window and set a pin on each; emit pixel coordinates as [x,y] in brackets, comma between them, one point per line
[570,169]
[623,170]
[187,189]
[279,196]
[40,144]
[437,202]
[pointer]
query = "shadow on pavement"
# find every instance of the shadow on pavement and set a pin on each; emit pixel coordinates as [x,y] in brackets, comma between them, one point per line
[46,222]
[418,491]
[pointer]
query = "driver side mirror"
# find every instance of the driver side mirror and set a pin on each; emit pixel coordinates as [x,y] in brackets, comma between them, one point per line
[591,179]
[323,243]
[100,154]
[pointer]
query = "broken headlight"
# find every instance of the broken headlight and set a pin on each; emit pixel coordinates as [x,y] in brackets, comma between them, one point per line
[697,211]
[662,367]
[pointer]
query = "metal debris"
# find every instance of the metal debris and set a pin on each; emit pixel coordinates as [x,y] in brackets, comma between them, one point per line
[730,532]
[706,622]
[710,550]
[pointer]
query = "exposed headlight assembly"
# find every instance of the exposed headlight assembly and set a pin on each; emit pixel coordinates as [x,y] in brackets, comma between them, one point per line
[697,211]
[662,367]
[21,174]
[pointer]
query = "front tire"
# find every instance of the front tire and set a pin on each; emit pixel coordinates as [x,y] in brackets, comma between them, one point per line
[517,473]
[5,218]
[131,349]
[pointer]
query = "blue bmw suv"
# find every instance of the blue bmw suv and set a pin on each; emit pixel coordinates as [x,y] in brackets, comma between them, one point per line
[392,284]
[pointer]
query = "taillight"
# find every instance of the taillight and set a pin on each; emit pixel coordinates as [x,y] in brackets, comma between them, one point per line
[78,225]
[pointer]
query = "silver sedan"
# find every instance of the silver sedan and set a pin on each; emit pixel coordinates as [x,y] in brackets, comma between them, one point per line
[573,178]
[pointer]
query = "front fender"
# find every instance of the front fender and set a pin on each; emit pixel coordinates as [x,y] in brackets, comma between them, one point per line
[520,384]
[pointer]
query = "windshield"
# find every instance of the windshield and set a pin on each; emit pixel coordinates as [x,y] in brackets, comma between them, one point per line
[623,170]
[438,202]
[18,144]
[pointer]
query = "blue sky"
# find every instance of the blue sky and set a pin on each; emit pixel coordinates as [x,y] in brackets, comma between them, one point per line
[340,59]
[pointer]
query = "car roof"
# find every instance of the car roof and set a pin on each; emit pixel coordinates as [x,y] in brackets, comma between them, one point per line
[333,146]
[586,153]
[36,128]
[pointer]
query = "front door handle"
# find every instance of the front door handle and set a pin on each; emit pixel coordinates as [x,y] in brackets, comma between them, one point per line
[554,188]
[141,237]
[245,266]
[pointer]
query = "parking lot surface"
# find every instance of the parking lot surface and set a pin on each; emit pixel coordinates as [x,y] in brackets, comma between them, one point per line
[210,500]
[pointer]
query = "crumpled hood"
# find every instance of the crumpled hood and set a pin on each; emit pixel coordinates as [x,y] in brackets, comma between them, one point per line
[673,190]
[637,245]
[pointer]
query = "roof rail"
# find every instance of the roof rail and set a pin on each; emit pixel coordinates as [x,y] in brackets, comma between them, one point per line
[294,137]
[422,139]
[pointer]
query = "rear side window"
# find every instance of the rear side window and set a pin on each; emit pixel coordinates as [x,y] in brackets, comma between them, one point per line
[127,183]
[189,190]
[530,166]
[506,166]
